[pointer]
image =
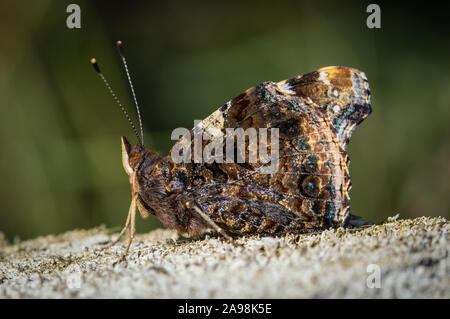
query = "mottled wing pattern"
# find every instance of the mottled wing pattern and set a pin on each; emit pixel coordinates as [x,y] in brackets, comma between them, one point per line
[342,93]
[310,188]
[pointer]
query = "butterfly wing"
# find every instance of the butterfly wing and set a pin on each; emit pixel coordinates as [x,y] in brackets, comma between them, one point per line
[309,188]
[342,93]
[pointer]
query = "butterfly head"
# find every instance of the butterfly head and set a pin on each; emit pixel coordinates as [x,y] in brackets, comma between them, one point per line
[132,155]
[138,157]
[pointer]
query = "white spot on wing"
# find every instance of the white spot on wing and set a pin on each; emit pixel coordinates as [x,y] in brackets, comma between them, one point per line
[336,108]
[364,76]
[323,76]
[284,87]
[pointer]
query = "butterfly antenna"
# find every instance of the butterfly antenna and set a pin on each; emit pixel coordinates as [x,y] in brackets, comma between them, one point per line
[122,56]
[97,69]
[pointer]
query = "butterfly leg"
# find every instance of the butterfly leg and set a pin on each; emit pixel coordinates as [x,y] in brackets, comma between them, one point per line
[208,220]
[127,224]
[132,227]
[131,223]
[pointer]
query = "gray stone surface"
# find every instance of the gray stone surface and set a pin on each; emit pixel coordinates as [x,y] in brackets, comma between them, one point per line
[412,255]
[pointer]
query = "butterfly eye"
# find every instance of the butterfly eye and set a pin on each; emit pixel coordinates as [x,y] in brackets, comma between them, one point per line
[336,108]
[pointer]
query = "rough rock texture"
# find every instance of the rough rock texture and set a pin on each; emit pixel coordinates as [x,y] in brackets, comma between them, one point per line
[412,255]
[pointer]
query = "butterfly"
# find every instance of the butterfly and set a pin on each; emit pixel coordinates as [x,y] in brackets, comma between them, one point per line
[311,117]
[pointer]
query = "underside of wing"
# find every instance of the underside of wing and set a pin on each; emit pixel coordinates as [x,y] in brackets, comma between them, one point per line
[341,92]
[309,187]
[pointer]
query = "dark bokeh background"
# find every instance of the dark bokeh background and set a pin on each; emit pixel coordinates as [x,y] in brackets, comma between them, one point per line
[60,148]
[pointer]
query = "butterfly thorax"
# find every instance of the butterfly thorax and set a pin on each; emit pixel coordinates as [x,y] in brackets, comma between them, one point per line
[157,190]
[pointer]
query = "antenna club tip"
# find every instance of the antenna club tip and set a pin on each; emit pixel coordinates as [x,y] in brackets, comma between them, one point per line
[95,65]
[120,48]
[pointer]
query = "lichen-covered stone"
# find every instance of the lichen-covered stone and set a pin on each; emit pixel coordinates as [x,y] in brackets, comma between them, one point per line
[413,256]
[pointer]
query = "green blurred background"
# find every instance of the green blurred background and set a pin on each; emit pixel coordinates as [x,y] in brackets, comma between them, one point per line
[60,130]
